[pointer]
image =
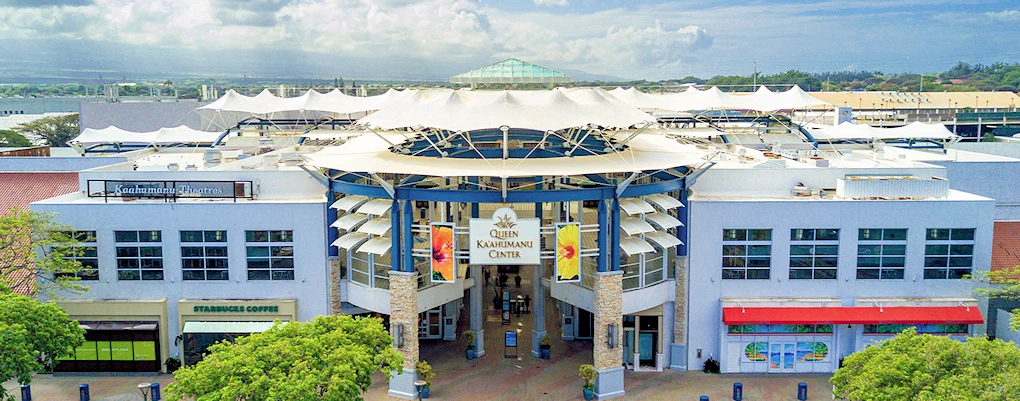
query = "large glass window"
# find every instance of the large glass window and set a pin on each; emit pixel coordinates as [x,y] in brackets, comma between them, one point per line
[881,253]
[746,254]
[139,255]
[204,255]
[948,253]
[814,253]
[270,254]
[86,253]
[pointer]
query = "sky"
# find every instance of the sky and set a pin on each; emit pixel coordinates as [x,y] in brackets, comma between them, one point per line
[434,39]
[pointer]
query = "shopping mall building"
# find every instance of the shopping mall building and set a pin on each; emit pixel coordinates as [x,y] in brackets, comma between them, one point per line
[662,236]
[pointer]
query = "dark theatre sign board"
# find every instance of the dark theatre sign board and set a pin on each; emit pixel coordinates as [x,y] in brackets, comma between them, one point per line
[170,190]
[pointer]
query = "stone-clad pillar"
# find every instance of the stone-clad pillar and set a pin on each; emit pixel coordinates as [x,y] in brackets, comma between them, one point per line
[476,318]
[678,349]
[608,310]
[404,310]
[335,267]
[537,310]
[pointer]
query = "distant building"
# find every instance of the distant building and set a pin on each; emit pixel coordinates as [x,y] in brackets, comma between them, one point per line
[511,71]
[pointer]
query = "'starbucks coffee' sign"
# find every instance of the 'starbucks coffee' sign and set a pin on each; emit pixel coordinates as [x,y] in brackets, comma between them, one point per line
[505,239]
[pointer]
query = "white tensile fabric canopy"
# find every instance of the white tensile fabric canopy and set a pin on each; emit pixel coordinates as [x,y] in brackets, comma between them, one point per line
[763,99]
[914,130]
[179,134]
[330,102]
[371,153]
[462,110]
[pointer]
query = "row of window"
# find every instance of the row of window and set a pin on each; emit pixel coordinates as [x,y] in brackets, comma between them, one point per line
[814,253]
[269,255]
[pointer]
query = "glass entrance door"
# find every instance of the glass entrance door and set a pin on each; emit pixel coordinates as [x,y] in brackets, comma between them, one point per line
[429,324]
[628,347]
[781,357]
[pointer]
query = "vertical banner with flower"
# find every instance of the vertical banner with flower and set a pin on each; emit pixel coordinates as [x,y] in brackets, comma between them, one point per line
[442,253]
[568,252]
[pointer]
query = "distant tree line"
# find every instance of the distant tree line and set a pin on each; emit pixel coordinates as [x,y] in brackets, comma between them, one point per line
[962,77]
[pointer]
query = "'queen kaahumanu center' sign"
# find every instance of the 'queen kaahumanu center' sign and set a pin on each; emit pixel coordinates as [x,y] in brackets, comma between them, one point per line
[505,239]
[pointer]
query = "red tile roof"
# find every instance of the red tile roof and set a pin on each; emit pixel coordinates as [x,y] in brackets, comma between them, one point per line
[17,190]
[1006,245]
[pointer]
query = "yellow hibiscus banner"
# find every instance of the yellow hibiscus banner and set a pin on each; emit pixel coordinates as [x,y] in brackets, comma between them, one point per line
[442,253]
[568,252]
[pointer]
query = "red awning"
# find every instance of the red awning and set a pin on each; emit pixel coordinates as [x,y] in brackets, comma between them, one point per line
[854,315]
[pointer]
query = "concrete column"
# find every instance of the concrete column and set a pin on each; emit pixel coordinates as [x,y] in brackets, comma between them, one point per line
[404,311]
[537,310]
[608,310]
[477,319]
[678,349]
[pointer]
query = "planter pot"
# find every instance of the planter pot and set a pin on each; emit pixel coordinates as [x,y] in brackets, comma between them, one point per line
[424,392]
[470,354]
[588,394]
[544,352]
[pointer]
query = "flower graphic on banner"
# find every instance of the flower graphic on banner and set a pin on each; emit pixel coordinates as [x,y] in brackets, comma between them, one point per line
[442,253]
[568,252]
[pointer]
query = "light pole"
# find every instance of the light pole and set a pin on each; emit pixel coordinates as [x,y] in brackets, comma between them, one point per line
[144,389]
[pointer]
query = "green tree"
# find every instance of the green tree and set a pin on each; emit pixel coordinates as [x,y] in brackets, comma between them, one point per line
[36,253]
[330,358]
[32,334]
[1004,284]
[54,131]
[931,368]
[13,139]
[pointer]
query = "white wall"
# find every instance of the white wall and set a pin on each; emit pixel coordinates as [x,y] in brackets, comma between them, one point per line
[709,218]
[306,219]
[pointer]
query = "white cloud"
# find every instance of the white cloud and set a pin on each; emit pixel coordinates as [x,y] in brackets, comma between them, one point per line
[1005,15]
[552,3]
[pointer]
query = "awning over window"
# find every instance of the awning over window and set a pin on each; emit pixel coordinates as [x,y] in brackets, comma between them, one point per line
[633,206]
[349,202]
[664,221]
[377,246]
[226,327]
[376,207]
[635,245]
[664,201]
[663,240]
[635,226]
[854,315]
[350,240]
[377,226]
[350,221]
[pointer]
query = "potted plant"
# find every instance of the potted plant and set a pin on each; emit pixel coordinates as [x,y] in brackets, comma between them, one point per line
[543,346]
[470,335]
[588,374]
[426,374]
[172,364]
[711,365]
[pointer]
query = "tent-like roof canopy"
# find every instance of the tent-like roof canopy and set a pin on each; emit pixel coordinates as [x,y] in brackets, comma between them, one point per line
[331,102]
[464,110]
[179,134]
[763,99]
[914,130]
[371,153]
[511,71]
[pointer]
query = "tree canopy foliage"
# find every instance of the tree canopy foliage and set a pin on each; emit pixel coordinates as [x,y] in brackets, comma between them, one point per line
[330,358]
[36,254]
[32,334]
[931,368]
[11,139]
[54,131]
[1004,284]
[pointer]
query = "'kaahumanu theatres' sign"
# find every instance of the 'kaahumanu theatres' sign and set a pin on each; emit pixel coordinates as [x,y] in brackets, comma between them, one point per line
[505,239]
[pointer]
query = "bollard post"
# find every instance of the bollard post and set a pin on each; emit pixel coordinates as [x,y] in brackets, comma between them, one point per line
[83,392]
[26,392]
[738,391]
[802,391]
[704,398]
[154,392]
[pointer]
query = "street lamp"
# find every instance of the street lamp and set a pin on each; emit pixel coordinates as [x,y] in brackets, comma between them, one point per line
[144,389]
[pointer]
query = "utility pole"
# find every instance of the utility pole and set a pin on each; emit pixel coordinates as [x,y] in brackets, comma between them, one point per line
[754,76]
